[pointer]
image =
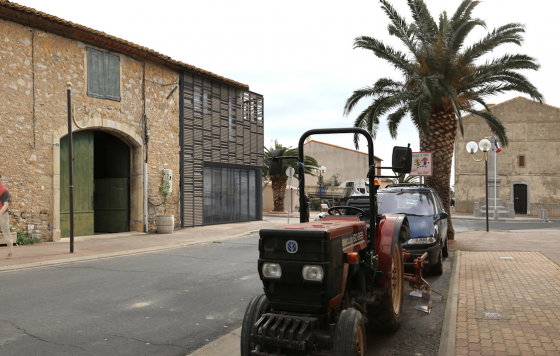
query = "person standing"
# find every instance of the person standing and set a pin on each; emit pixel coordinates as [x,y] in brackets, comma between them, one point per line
[5,218]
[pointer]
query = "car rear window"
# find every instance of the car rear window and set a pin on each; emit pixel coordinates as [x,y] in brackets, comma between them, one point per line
[413,203]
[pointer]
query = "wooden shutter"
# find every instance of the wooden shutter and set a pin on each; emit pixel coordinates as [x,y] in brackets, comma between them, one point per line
[521,161]
[112,77]
[94,62]
[103,75]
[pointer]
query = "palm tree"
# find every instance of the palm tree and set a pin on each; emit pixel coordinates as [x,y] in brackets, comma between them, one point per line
[404,178]
[441,79]
[279,180]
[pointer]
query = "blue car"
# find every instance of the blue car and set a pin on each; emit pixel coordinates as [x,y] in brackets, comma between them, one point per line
[428,221]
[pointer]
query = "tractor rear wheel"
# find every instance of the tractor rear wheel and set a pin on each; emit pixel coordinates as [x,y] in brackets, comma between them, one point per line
[385,315]
[349,336]
[256,308]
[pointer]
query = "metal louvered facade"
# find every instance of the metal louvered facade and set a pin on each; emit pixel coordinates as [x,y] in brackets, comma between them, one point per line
[221,130]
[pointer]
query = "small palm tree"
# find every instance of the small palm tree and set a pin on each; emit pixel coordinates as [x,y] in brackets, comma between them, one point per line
[441,79]
[279,180]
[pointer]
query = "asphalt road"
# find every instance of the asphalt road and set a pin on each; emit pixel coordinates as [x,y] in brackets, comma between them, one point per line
[164,303]
[462,225]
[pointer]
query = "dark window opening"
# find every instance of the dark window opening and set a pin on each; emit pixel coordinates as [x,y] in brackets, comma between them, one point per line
[521,161]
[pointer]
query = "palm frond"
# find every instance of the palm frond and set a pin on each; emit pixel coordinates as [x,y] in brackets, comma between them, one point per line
[391,55]
[494,123]
[399,27]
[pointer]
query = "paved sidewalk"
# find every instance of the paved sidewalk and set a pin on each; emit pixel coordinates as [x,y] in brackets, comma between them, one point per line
[114,245]
[518,218]
[508,306]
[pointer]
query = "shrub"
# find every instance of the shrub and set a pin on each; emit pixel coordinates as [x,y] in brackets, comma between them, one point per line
[27,238]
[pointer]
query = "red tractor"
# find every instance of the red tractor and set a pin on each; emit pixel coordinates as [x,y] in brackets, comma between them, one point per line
[320,278]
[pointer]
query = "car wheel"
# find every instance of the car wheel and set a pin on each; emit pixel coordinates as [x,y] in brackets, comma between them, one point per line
[445,251]
[349,337]
[256,308]
[437,269]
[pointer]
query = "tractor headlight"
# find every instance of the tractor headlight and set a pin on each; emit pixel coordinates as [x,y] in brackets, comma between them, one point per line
[312,273]
[272,270]
[422,241]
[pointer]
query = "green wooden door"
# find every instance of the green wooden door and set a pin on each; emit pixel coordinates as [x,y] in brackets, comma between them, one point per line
[112,205]
[83,184]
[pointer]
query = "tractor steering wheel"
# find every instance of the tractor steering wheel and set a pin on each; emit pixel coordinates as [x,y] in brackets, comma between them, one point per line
[336,208]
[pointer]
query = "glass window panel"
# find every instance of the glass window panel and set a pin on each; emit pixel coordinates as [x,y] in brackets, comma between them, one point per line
[207,195]
[226,207]
[244,196]
[236,194]
[217,194]
[252,196]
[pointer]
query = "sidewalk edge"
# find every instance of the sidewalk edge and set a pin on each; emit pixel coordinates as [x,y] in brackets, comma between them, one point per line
[117,254]
[449,327]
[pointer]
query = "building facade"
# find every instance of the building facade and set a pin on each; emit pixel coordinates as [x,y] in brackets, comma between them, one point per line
[529,167]
[347,163]
[132,117]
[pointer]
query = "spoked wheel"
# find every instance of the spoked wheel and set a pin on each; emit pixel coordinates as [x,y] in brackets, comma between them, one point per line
[349,337]
[397,278]
[256,308]
[385,315]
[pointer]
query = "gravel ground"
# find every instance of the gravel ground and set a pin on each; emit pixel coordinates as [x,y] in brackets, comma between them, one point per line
[419,332]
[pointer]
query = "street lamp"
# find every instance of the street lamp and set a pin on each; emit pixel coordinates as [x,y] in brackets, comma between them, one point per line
[485,146]
[322,171]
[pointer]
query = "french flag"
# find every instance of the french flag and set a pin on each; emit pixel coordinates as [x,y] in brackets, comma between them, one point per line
[498,149]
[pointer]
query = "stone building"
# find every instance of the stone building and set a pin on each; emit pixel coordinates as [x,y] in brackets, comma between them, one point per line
[347,163]
[528,168]
[134,113]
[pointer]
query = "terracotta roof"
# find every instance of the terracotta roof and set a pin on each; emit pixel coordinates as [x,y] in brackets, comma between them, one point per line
[31,17]
[343,148]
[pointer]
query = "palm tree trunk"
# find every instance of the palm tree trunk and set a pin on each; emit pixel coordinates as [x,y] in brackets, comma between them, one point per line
[443,129]
[279,191]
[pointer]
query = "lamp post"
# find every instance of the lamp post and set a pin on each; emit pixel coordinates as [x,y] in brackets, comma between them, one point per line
[485,146]
[322,171]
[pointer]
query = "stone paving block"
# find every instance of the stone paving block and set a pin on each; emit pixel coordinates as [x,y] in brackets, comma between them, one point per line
[527,289]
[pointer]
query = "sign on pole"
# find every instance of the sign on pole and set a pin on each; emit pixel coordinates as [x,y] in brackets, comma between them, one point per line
[421,164]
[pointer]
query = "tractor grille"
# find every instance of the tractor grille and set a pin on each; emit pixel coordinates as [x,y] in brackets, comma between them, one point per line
[283,331]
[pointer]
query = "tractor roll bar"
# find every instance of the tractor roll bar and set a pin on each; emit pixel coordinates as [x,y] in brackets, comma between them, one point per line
[303,217]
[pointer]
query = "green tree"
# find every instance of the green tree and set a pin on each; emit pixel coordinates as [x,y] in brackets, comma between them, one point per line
[442,78]
[279,180]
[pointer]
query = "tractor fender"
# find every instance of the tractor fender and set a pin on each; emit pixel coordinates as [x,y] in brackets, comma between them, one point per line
[388,237]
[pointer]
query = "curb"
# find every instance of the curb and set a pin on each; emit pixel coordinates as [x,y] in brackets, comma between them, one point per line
[226,345]
[117,254]
[449,328]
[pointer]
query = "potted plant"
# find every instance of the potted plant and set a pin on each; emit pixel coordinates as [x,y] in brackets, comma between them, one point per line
[165,223]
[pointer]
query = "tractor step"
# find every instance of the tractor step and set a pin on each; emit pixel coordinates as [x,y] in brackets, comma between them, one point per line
[370,297]
[283,331]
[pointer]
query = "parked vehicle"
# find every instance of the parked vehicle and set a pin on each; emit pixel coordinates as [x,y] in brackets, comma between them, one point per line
[339,194]
[320,278]
[428,220]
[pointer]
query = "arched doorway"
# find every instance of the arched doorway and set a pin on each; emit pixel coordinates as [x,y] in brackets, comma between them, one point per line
[102,166]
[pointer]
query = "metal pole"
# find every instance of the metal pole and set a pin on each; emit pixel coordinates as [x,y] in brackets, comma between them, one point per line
[70,165]
[487,207]
[289,198]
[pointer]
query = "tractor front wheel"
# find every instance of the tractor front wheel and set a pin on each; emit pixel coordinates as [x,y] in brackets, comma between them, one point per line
[256,308]
[349,336]
[385,315]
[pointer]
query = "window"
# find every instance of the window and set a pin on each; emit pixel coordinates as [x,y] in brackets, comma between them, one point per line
[103,75]
[521,161]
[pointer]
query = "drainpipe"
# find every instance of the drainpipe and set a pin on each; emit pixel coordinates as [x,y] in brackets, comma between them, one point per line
[146,196]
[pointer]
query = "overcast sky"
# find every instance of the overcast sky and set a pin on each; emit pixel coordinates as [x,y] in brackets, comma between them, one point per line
[299,54]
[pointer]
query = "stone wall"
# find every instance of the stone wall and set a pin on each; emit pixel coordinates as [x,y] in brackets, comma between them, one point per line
[34,69]
[533,131]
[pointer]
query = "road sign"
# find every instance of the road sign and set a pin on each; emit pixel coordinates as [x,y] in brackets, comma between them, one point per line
[290,172]
[421,164]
